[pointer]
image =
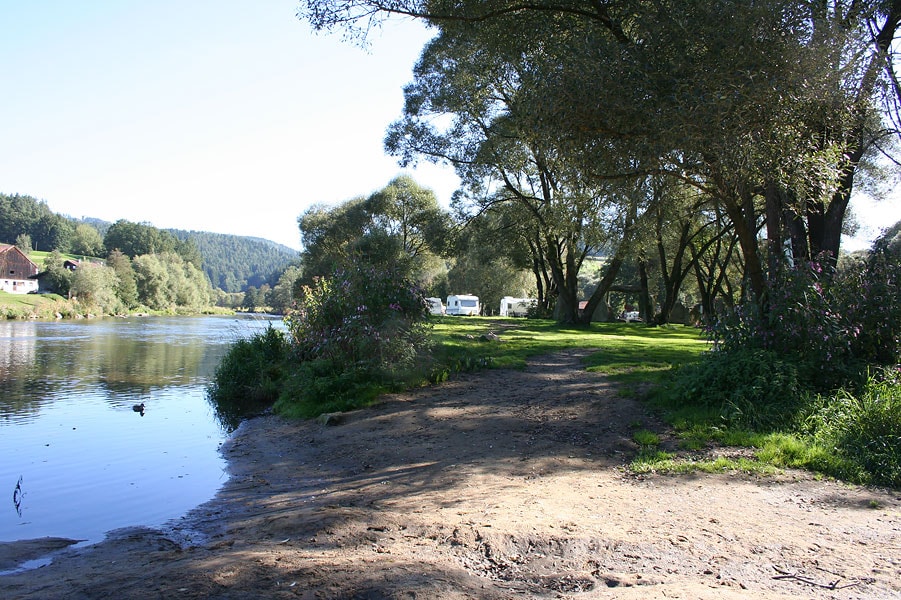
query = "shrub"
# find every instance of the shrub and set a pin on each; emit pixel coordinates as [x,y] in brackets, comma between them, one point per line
[871,296]
[320,386]
[248,377]
[864,428]
[744,387]
[804,321]
[360,316]
[355,334]
[832,329]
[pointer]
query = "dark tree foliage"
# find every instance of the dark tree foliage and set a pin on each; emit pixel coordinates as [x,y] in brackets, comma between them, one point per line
[56,278]
[26,215]
[126,285]
[135,239]
[234,263]
[778,109]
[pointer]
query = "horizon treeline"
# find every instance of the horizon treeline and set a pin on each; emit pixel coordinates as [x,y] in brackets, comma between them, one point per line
[231,263]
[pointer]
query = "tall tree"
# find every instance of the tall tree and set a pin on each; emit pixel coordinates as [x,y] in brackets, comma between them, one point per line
[281,297]
[126,286]
[86,240]
[26,215]
[409,212]
[400,226]
[95,287]
[136,239]
[23,243]
[506,231]
[56,277]
[771,106]
[329,234]
[490,140]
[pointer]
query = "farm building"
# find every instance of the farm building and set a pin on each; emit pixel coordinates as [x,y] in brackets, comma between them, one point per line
[17,271]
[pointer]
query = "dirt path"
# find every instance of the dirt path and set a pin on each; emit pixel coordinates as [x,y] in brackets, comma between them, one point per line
[503,484]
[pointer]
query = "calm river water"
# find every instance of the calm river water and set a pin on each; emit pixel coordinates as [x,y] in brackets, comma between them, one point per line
[76,459]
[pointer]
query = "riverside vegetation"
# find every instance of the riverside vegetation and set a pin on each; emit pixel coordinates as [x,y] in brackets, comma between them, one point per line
[362,332]
[124,267]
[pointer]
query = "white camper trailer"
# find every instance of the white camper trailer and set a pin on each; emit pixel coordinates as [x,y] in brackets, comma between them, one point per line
[463,304]
[516,307]
[436,306]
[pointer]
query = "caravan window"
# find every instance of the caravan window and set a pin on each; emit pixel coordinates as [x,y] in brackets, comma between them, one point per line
[467,302]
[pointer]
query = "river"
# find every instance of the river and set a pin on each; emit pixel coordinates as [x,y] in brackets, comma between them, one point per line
[77,456]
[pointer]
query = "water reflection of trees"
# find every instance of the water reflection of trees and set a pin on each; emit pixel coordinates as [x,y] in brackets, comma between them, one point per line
[17,350]
[36,368]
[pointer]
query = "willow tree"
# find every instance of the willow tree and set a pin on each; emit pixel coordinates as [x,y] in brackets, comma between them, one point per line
[770,107]
[507,231]
[400,226]
[463,107]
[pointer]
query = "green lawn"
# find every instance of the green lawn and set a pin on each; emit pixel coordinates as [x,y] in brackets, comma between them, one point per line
[629,352]
[20,306]
[642,360]
[37,257]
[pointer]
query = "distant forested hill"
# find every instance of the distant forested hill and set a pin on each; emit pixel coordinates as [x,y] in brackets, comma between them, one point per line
[233,263]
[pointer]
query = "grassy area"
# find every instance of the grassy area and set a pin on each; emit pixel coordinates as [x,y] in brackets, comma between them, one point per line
[854,438]
[29,301]
[23,306]
[38,257]
[631,353]
[841,436]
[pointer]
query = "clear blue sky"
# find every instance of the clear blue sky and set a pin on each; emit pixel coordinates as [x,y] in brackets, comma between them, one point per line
[227,115]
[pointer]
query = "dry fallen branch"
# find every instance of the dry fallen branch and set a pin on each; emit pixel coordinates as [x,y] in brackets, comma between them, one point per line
[834,585]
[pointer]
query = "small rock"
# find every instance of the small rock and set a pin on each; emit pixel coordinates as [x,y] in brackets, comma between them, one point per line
[330,419]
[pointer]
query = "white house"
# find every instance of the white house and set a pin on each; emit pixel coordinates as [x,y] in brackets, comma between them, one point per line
[463,304]
[17,271]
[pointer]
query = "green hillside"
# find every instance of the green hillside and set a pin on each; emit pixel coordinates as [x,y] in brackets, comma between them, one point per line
[233,263]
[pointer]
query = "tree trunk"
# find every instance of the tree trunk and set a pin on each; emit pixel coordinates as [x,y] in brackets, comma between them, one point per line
[774,241]
[601,291]
[645,309]
[746,230]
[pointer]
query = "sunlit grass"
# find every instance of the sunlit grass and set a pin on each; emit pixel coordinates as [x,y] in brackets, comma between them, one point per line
[28,300]
[641,359]
[38,256]
[626,352]
[656,461]
[24,306]
[643,437]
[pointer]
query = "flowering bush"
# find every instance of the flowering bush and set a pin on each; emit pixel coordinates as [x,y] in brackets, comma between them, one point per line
[351,337]
[831,330]
[804,320]
[870,295]
[362,317]
[354,333]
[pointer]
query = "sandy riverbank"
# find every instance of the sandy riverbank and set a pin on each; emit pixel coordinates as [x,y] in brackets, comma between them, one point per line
[502,484]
